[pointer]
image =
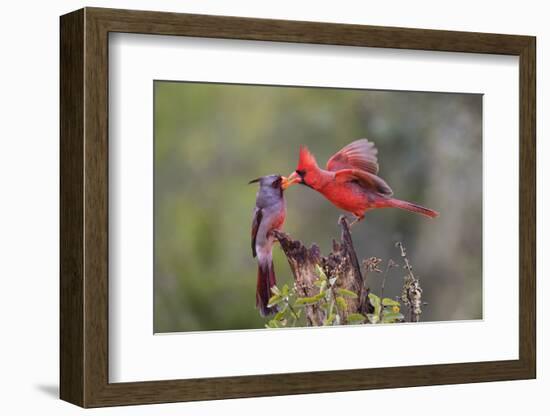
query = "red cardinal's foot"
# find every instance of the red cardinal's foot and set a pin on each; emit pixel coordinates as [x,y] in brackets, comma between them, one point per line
[356,220]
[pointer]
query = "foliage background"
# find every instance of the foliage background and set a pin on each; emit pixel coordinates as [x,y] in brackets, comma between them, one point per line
[211,139]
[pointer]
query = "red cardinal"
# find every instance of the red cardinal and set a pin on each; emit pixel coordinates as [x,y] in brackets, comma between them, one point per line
[269,215]
[350,180]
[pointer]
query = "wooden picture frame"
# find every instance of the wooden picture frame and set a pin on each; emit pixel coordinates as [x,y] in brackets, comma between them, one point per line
[84,207]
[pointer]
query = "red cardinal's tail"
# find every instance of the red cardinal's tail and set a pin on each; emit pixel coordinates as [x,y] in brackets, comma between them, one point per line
[409,206]
[266,280]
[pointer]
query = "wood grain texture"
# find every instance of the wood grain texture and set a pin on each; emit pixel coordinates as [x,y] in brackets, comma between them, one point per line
[96,218]
[162,23]
[527,208]
[72,216]
[84,207]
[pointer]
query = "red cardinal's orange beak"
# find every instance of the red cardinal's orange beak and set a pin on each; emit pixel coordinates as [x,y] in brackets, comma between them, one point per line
[292,179]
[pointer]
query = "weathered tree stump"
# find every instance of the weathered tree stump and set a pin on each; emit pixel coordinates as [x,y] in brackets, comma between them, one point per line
[341,262]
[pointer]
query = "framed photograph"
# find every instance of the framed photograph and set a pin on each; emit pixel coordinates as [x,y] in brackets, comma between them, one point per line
[224,185]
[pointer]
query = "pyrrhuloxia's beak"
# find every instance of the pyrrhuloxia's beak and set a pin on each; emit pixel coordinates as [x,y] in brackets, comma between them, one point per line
[293,179]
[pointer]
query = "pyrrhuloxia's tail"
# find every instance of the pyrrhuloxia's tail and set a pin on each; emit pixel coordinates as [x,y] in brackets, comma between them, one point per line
[409,206]
[266,280]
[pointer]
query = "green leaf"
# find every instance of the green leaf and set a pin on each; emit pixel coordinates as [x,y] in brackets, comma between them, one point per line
[392,317]
[273,324]
[285,290]
[329,320]
[281,314]
[321,284]
[274,300]
[346,293]
[320,272]
[375,300]
[373,319]
[356,318]
[306,301]
[275,290]
[341,302]
[311,299]
[320,295]
[390,302]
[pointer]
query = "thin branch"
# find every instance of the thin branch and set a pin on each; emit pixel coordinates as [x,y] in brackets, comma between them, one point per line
[412,292]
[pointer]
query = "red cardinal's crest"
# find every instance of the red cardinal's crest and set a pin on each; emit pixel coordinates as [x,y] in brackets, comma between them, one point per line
[307,160]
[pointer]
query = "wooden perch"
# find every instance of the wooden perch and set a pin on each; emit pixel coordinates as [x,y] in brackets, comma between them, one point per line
[342,263]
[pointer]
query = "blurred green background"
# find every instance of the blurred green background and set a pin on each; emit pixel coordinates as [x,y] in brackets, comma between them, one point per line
[211,139]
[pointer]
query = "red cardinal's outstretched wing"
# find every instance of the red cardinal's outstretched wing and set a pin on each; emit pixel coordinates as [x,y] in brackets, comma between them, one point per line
[360,154]
[256,221]
[366,179]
